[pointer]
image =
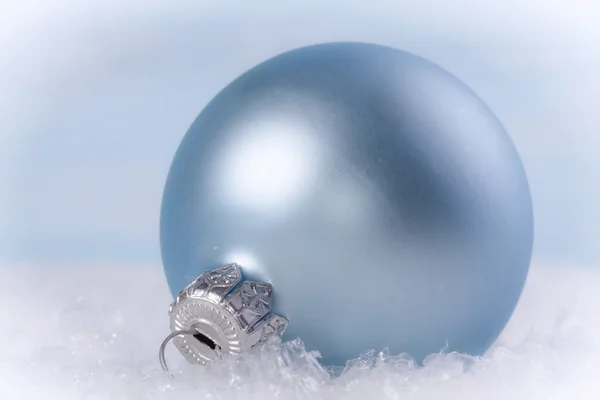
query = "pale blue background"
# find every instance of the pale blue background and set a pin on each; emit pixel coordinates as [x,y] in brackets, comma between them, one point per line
[95,98]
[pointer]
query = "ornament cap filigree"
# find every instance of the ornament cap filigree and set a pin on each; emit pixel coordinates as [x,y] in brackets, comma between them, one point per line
[219,313]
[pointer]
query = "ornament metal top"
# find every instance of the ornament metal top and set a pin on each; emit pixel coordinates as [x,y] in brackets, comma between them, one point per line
[218,313]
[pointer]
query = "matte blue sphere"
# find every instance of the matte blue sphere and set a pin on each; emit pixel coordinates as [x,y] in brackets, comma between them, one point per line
[377,193]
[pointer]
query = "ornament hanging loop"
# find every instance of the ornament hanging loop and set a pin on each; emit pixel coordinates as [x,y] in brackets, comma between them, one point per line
[161,350]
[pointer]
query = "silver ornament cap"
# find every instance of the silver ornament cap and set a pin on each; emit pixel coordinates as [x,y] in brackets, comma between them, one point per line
[220,314]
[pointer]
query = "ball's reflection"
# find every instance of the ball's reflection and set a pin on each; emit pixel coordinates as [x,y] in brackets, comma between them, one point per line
[377,193]
[274,164]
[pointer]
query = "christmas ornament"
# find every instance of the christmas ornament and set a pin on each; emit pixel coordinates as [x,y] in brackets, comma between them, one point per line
[378,195]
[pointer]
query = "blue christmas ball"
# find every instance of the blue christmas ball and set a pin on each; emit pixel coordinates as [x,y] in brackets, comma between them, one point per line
[376,192]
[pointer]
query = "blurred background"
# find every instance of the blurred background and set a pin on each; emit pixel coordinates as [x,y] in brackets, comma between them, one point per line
[95,97]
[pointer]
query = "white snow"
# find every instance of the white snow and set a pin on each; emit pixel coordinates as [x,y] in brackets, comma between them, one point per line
[93,331]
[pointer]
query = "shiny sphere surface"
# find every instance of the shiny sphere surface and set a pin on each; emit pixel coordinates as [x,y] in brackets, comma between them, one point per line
[381,198]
